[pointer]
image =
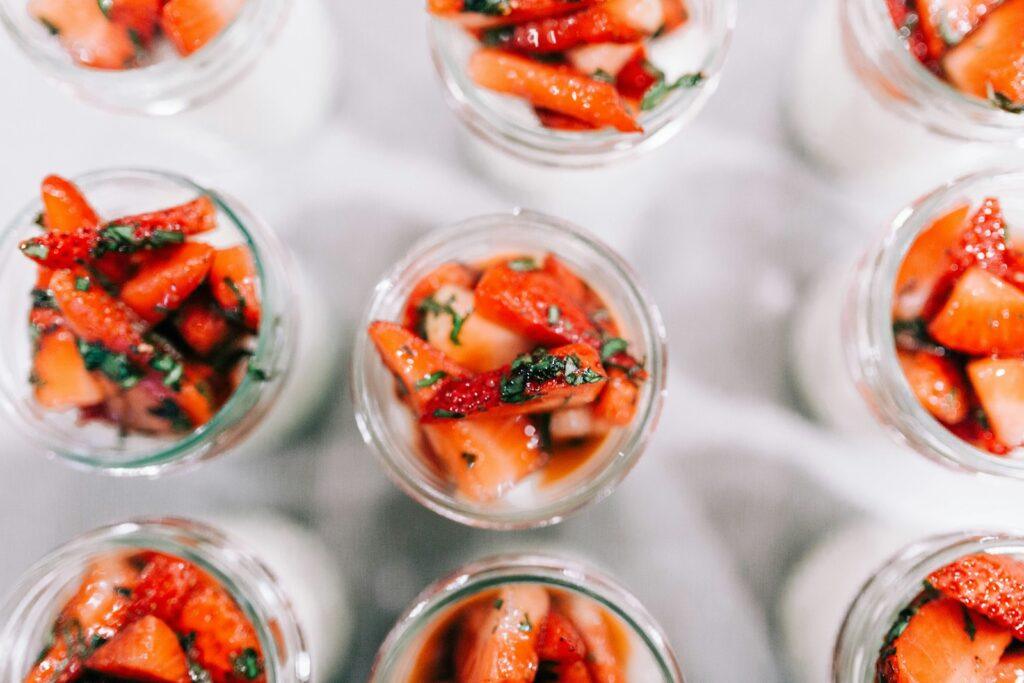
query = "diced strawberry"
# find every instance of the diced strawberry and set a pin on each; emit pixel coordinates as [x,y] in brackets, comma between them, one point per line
[946,22]
[451,273]
[674,14]
[235,285]
[191,218]
[983,316]
[65,209]
[544,381]
[86,33]
[533,303]
[167,280]
[140,17]
[999,384]
[552,87]
[62,249]
[937,384]
[418,365]
[989,63]
[592,622]
[501,646]
[97,317]
[486,457]
[558,121]
[473,341]
[618,401]
[197,396]
[575,672]
[928,260]
[100,606]
[636,77]
[559,641]
[191,24]
[163,587]
[984,241]
[597,24]
[223,634]
[909,24]
[146,650]
[506,11]
[59,377]
[939,644]
[202,325]
[992,585]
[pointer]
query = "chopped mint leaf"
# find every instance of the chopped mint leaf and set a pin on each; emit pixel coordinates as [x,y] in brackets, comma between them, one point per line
[492,7]
[248,664]
[1003,102]
[82,284]
[442,413]
[554,314]
[116,366]
[525,626]
[431,305]
[494,37]
[431,380]
[469,458]
[258,373]
[498,603]
[603,76]
[42,298]
[612,347]
[969,626]
[170,367]
[523,264]
[162,238]
[34,249]
[169,410]
[657,93]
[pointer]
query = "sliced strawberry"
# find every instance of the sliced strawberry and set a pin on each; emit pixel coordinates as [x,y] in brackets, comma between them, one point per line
[97,317]
[191,24]
[235,285]
[100,606]
[146,650]
[167,280]
[984,315]
[989,63]
[163,587]
[486,457]
[943,642]
[59,377]
[604,660]
[451,273]
[937,384]
[191,218]
[197,397]
[541,382]
[65,209]
[86,33]
[223,634]
[637,77]
[928,260]
[59,664]
[559,641]
[473,341]
[947,22]
[618,401]
[202,325]
[62,249]
[597,24]
[999,384]
[908,23]
[984,241]
[575,672]
[501,644]
[140,17]
[552,87]
[418,365]
[992,585]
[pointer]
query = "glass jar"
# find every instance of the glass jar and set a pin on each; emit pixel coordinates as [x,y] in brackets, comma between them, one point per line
[32,606]
[893,587]
[510,126]
[651,658]
[99,446]
[389,427]
[861,101]
[844,343]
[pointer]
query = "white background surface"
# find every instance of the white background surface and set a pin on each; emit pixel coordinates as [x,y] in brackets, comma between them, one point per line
[725,223]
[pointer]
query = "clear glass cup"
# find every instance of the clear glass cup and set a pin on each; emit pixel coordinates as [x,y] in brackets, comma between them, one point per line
[99,446]
[848,322]
[699,46]
[893,587]
[168,85]
[651,657]
[862,101]
[33,604]
[389,427]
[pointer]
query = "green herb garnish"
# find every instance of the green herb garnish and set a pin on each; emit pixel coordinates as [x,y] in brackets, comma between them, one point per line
[657,93]
[469,458]
[442,413]
[82,284]
[116,366]
[247,664]
[431,305]
[1003,102]
[492,7]
[431,380]
[554,314]
[34,249]
[524,264]
[612,347]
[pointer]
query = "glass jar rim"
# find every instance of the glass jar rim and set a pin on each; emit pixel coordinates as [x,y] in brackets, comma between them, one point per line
[871,37]
[245,577]
[229,55]
[894,585]
[540,568]
[376,435]
[576,149]
[191,448]
[870,343]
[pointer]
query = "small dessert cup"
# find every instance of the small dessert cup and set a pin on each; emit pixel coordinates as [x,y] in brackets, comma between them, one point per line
[31,610]
[639,644]
[97,445]
[549,495]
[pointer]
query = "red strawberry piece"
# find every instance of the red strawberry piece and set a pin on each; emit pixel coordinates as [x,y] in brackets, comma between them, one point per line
[937,384]
[191,24]
[140,17]
[163,587]
[674,15]
[223,634]
[637,77]
[908,23]
[980,436]
[984,315]
[989,63]
[59,377]
[202,325]
[999,385]
[451,273]
[97,317]
[498,642]
[544,381]
[167,279]
[604,658]
[575,672]
[191,218]
[100,605]
[418,365]
[552,87]
[509,11]
[559,641]
[86,33]
[235,285]
[197,395]
[618,401]
[62,249]
[65,209]
[147,651]
[992,585]
[927,262]
[59,664]
[597,24]
[946,22]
